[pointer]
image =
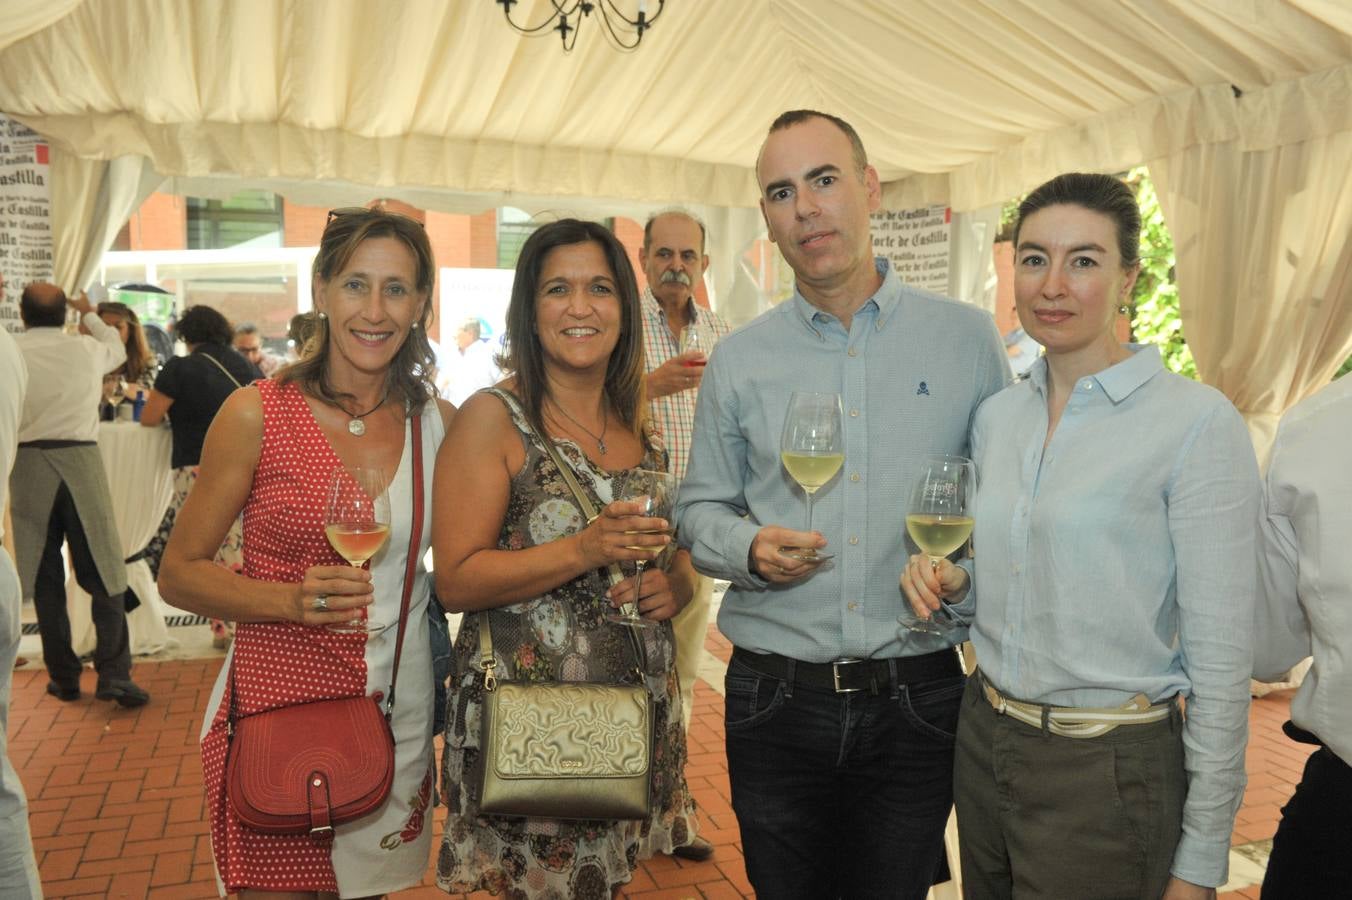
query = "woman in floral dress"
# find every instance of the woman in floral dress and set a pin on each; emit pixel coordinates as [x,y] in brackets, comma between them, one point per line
[519,556]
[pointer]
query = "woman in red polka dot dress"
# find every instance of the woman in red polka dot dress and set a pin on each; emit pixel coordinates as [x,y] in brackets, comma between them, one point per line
[270,452]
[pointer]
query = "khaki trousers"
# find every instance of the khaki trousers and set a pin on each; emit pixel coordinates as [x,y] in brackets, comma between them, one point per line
[1044,816]
[690,626]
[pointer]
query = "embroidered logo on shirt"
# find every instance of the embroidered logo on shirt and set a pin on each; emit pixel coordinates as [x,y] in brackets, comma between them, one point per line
[923,389]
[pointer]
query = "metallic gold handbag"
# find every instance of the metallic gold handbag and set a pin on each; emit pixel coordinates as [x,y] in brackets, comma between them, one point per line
[565,750]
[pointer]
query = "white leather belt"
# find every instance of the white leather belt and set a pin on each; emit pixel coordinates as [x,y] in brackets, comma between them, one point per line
[1076,721]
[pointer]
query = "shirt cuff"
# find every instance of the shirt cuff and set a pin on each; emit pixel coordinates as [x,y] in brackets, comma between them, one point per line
[737,546]
[1202,862]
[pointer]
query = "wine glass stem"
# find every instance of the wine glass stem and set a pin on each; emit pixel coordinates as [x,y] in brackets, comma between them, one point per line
[808,496]
[638,588]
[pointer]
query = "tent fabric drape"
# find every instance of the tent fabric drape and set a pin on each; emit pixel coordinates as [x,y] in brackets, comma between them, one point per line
[964,102]
[91,201]
[1262,227]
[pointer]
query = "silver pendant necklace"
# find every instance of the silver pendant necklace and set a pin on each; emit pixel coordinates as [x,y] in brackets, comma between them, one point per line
[355,426]
[605,423]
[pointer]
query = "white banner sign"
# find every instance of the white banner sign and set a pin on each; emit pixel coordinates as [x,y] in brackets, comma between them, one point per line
[25,216]
[916,241]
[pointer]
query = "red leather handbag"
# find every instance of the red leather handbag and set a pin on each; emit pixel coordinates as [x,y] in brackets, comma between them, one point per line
[303,769]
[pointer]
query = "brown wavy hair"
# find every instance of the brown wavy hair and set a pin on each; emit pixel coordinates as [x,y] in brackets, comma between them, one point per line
[523,356]
[140,359]
[410,374]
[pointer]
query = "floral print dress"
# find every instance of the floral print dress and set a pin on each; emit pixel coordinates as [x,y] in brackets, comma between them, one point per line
[562,635]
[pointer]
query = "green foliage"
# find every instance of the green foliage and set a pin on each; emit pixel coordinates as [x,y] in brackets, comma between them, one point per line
[1155,317]
[1346,367]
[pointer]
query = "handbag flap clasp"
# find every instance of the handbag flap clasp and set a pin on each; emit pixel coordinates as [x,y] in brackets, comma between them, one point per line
[317,792]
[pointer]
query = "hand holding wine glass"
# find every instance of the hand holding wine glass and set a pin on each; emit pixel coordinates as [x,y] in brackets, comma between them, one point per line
[812,448]
[939,520]
[657,492]
[698,338]
[357,521]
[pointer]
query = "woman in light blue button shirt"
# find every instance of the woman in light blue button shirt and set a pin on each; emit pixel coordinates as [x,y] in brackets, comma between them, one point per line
[1115,564]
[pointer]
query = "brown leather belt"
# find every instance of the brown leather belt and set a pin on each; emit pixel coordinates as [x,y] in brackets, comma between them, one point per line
[846,676]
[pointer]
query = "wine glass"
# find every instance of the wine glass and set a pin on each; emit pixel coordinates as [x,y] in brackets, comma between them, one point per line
[939,520]
[657,491]
[812,448]
[357,523]
[697,336]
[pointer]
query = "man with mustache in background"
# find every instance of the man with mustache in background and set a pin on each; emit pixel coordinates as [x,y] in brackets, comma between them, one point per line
[674,261]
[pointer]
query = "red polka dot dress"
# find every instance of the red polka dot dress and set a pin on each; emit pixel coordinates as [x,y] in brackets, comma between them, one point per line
[278,664]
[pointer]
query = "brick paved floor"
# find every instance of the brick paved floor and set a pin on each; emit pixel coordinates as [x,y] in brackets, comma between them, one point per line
[117,810]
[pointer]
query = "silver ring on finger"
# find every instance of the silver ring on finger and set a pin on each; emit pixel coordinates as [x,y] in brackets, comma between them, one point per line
[321,603]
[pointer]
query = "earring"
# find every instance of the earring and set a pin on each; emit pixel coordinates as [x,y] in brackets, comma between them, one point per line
[414,326]
[1124,309]
[323,316]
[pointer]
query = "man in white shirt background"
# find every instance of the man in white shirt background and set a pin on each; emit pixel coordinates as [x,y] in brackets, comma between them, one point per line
[59,493]
[18,870]
[476,368]
[1305,609]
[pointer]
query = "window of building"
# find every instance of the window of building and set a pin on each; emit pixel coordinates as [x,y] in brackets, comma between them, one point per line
[514,226]
[249,218]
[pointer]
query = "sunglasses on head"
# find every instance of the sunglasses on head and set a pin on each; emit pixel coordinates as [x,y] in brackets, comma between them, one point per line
[342,211]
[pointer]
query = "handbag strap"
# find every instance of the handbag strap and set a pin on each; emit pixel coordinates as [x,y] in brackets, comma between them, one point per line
[411,564]
[588,510]
[410,571]
[217,363]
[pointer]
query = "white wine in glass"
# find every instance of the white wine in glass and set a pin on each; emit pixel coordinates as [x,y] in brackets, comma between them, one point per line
[357,522]
[939,520]
[812,448]
[657,491]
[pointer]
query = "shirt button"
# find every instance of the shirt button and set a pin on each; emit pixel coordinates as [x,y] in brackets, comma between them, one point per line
[1014,569]
[852,352]
[854,413]
[1087,385]
[854,476]
[853,606]
[854,539]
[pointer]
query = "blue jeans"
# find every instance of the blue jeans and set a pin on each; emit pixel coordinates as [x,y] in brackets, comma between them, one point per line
[840,795]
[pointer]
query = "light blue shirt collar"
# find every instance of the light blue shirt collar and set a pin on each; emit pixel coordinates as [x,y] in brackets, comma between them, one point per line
[1117,381]
[880,306]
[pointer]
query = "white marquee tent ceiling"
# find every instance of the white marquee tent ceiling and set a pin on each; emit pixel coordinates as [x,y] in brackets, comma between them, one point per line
[960,101]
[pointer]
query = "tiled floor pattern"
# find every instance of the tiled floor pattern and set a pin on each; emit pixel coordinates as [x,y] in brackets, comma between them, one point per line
[117,811]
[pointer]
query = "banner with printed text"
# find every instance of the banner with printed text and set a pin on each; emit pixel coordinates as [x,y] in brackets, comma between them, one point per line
[25,216]
[916,241]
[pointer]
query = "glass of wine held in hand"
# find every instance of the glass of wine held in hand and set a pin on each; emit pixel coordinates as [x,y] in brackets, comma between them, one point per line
[657,492]
[357,522]
[939,520]
[812,449]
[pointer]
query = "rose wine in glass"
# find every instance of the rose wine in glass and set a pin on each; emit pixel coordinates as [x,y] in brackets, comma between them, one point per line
[812,448]
[357,522]
[697,336]
[657,491]
[939,520]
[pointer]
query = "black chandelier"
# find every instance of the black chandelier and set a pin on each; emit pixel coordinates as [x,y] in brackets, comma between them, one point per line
[567,18]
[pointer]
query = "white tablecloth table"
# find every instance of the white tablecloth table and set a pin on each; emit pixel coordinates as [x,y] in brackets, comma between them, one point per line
[137,462]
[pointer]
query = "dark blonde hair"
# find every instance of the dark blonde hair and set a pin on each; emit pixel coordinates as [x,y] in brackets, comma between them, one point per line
[140,359]
[523,356]
[410,374]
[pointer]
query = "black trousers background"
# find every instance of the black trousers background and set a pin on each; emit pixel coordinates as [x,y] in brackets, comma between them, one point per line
[112,649]
[1312,850]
